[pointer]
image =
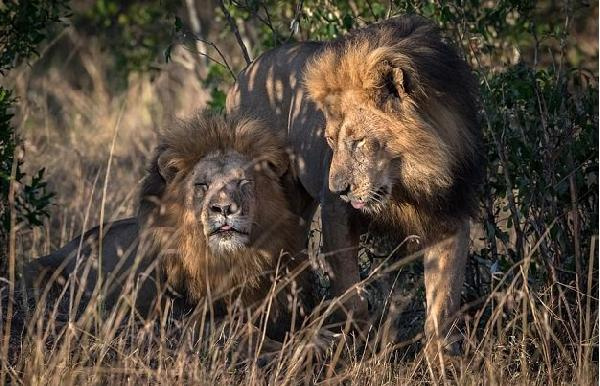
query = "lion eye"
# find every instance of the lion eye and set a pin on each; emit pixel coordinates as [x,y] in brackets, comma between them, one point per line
[329,141]
[244,182]
[358,143]
[201,185]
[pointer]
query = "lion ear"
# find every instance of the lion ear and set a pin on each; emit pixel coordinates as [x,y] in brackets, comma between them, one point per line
[274,168]
[330,106]
[281,167]
[394,84]
[165,167]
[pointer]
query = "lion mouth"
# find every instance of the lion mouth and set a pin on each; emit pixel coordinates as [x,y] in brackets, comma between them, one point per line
[358,204]
[226,229]
[373,200]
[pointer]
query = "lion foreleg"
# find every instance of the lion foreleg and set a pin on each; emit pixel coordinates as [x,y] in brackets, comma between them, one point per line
[444,276]
[340,250]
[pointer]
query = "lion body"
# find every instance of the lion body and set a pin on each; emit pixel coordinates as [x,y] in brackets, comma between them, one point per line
[120,262]
[270,89]
[397,88]
[167,242]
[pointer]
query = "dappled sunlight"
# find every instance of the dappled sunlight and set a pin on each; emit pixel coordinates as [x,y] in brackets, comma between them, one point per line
[372,199]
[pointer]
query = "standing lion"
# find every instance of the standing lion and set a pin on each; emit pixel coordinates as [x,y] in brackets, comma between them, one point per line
[383,124]
[214,223]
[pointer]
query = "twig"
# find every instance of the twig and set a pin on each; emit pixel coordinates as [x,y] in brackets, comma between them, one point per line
[268,22]
[370,6]
[102,205]
[389,10]
[11,264]
[224,64]
[588,301]
[295,20]
[236,32]
[185,40]
[195,23]
[577,247]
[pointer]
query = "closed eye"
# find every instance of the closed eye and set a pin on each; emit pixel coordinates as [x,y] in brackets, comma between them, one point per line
[329,141]
[244,182]
[358,143]
[201,185]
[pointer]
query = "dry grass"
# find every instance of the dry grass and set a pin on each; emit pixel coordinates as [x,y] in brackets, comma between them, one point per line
[514,334]
[511,338]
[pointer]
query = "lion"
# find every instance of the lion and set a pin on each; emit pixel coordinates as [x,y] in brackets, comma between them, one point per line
[384,128]
[213,222]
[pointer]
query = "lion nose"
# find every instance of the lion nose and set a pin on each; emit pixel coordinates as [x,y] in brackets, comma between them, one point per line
[225,209]
[339,184]
[341,189]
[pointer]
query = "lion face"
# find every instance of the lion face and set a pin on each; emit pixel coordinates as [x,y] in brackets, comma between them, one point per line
[400,111]
[363,167]
[213,206]
[222,198]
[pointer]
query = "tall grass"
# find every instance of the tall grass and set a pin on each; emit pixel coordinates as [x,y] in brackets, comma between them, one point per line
[512,337]
[515,329]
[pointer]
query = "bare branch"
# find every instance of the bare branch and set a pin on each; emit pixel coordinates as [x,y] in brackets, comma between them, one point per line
[185,40]
[236,32]
[224,64]
[296,20]
[264,20]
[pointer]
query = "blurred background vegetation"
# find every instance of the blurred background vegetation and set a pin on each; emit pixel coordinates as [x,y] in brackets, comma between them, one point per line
[81,78]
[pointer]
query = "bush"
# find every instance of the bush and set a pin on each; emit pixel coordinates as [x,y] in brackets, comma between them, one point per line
[23,26]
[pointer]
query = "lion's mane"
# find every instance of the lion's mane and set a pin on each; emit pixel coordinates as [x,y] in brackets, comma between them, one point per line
[437,135]
[173,230]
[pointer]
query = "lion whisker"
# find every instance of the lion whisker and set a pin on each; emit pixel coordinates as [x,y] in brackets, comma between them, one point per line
[377,197]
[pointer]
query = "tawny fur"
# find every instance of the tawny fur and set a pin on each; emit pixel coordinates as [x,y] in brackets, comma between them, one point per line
[400,87]
[432,126]
[187,262]
[167,233]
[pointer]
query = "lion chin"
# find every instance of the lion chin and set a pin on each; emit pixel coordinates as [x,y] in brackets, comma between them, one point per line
[225,242]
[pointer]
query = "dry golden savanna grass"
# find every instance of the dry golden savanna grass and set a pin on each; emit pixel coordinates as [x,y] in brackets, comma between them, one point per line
[94,144]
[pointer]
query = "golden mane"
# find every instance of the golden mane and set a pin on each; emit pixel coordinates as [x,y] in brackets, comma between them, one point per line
[188,141]
[356,61]
[175,234]
[433,117]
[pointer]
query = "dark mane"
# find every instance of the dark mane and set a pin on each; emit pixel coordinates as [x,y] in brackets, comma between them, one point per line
[437,128]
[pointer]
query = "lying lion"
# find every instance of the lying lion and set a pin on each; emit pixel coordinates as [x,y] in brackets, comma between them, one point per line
[213,223]
[384,130]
